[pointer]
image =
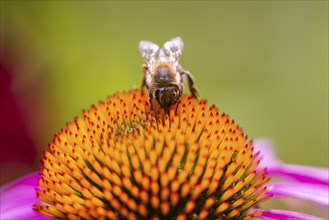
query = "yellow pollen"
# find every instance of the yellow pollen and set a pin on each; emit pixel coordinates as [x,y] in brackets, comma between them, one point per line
[123,160]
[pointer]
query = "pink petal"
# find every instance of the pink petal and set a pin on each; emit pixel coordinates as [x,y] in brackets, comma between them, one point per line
[274,214]
[306,174]
[18,197]
[316,175]
[318,193]
[268,156]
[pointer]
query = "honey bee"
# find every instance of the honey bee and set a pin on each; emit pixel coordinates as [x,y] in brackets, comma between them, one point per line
[163,75]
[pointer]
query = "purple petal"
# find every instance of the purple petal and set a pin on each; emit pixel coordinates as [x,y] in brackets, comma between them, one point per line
[18,197]
[275,167]
[268,156]
[274,214]
[307,174]
[318,193]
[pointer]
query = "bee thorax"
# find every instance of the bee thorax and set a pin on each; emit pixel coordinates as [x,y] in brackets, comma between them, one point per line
[164,74]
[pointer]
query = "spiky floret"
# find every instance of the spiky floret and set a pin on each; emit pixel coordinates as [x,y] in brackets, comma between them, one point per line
[123,160]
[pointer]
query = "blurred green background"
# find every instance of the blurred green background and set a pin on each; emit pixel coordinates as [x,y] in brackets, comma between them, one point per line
[263,63]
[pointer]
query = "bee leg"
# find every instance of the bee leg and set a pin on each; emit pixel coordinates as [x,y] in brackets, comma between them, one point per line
[166,108]
[177,106]
[143,84]
[150,98]
[145,69]
[191,83]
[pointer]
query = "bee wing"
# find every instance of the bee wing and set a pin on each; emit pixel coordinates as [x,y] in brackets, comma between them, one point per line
[174,47]
[148,50]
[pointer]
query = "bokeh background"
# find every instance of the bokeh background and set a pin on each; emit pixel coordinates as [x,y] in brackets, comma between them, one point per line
[263,63]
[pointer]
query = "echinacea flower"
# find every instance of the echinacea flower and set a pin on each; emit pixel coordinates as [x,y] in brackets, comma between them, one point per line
[17,150]
[15,143]
[123,160]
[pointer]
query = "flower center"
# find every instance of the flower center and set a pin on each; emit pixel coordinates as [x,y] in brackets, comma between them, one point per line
[122,160]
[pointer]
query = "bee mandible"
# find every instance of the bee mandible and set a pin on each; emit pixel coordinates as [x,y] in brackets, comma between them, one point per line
[163,75]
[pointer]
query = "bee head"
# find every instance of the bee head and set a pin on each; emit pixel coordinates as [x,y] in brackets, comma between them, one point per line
[167,96]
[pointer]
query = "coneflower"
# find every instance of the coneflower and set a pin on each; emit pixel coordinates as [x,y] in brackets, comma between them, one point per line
[124,160]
